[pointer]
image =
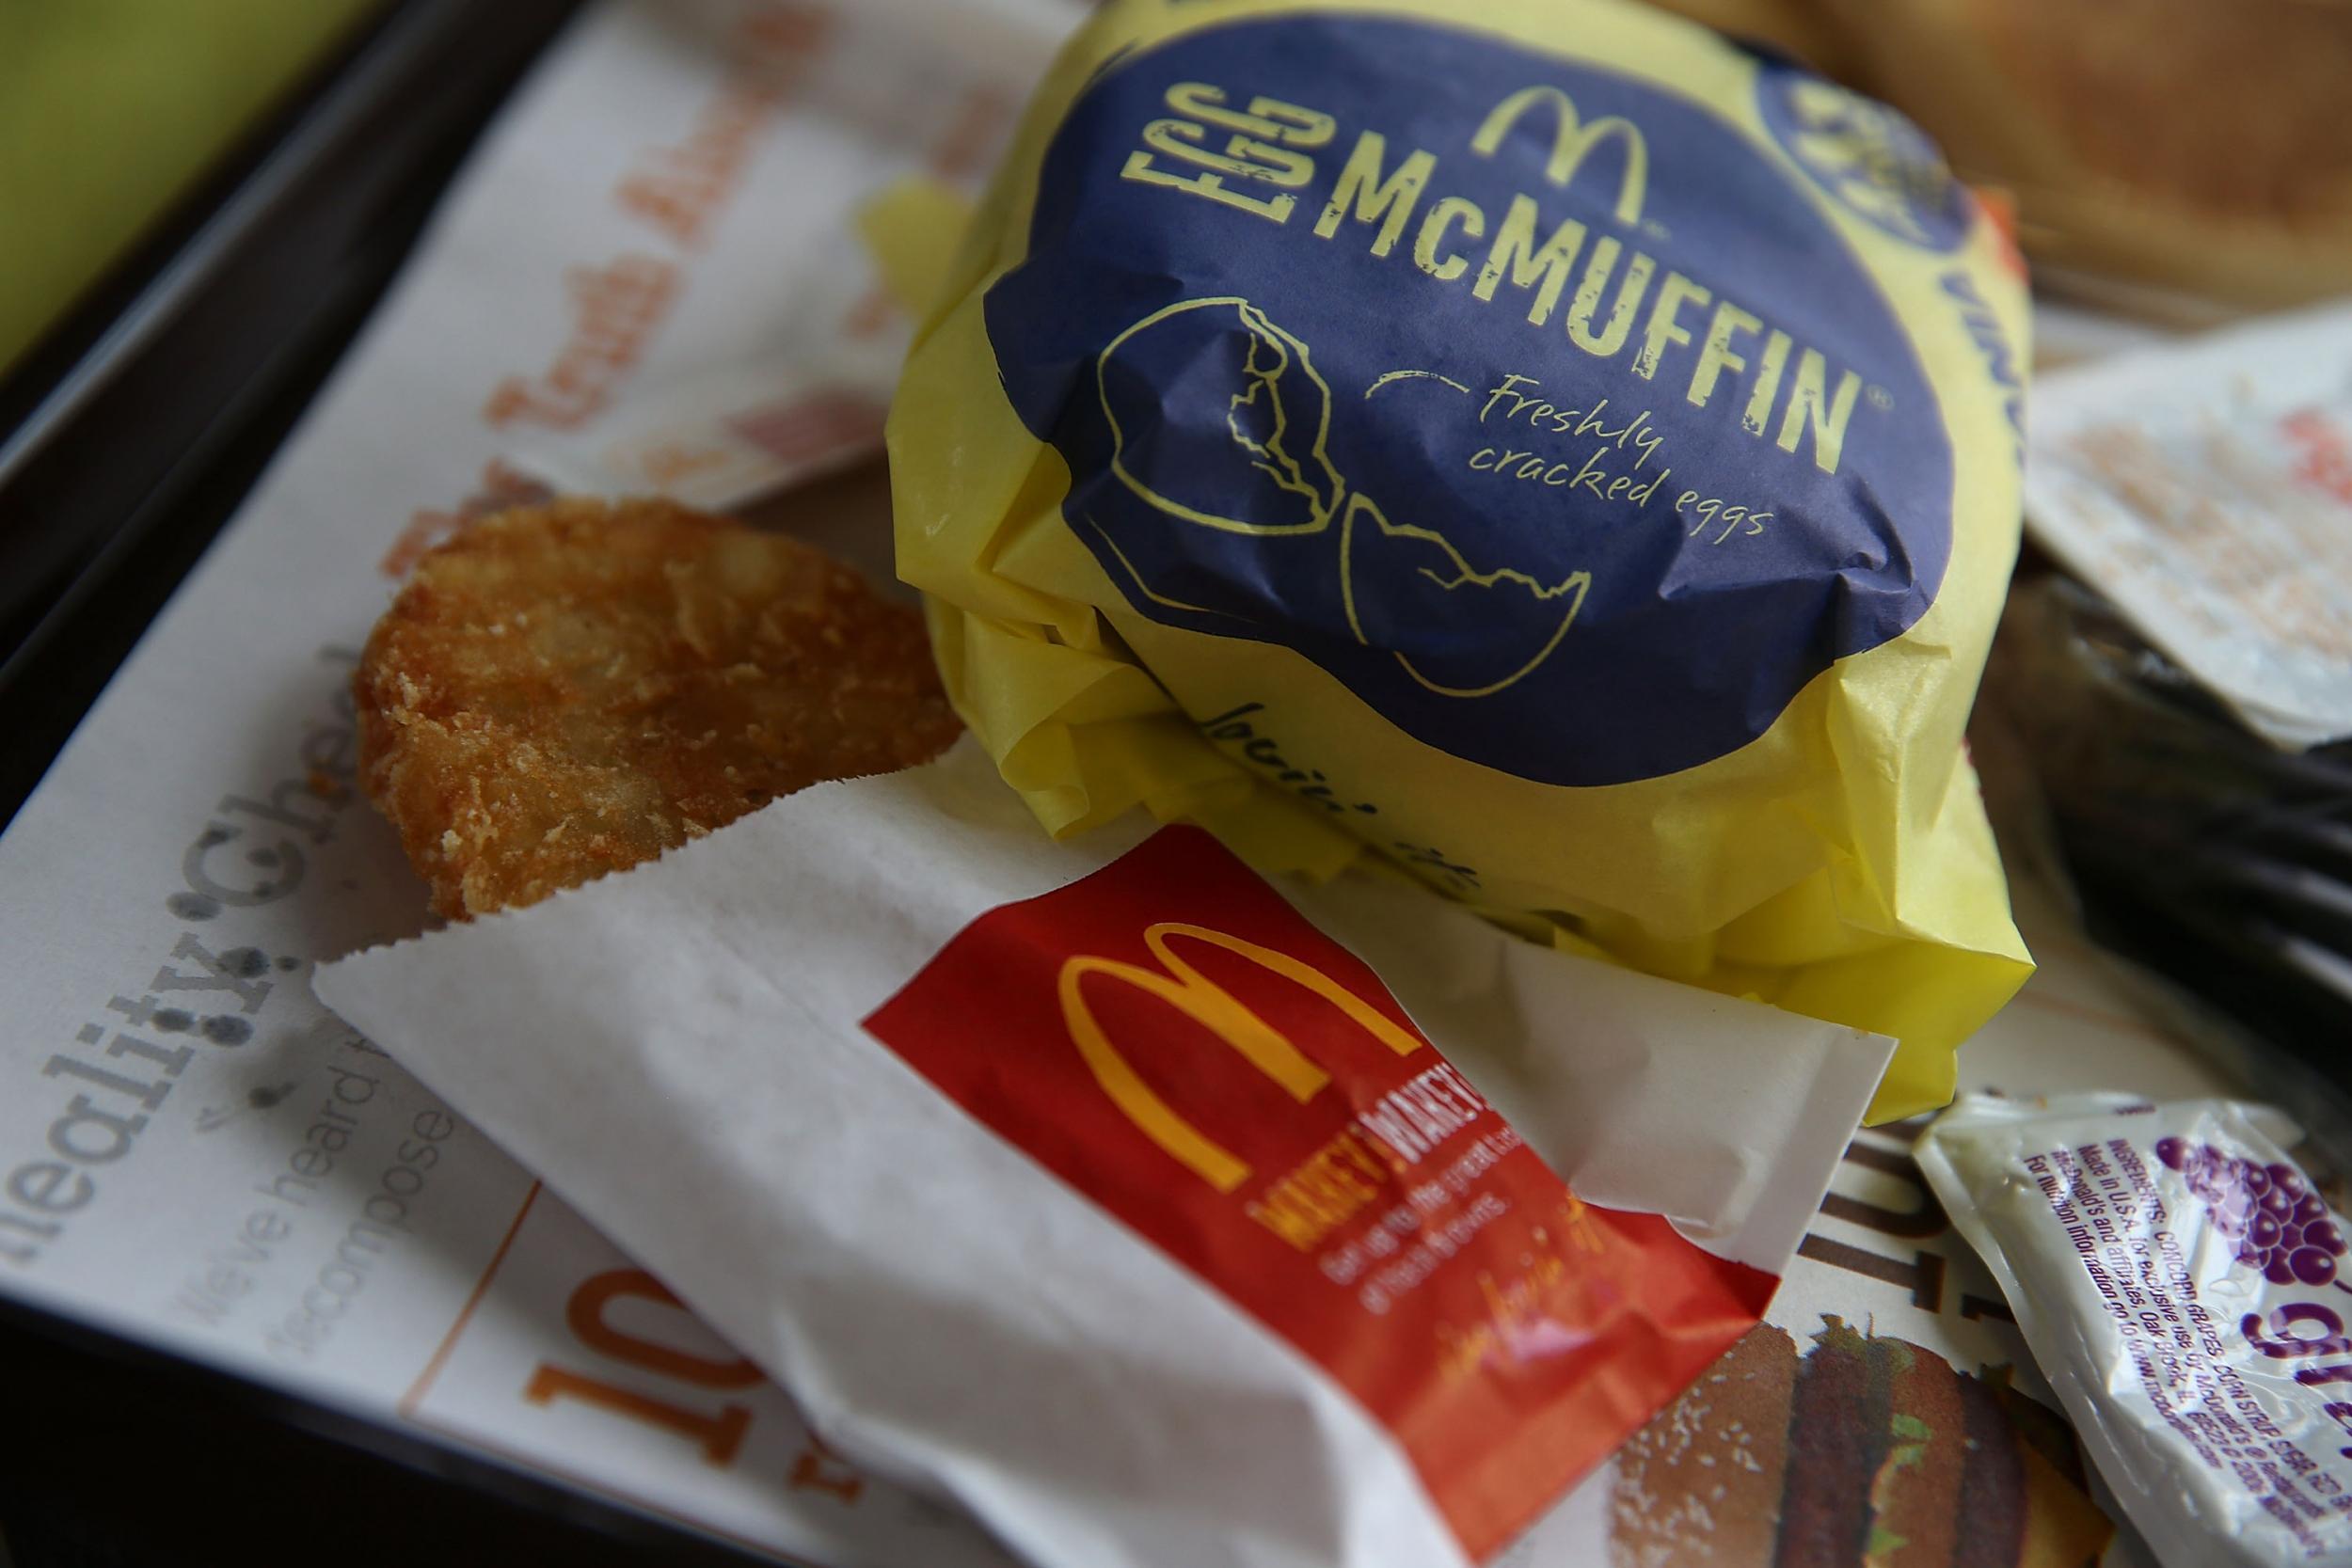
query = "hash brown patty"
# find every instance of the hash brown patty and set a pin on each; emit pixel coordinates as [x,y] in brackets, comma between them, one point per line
[569,690]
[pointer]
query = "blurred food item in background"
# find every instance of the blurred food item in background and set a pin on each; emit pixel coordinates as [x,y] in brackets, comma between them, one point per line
[2189,145]
[110,108]
[2178,142]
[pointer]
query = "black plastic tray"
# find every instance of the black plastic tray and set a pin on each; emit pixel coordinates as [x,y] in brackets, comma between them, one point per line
[128,437]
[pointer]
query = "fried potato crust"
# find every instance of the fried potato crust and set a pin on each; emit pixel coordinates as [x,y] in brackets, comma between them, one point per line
[569,690]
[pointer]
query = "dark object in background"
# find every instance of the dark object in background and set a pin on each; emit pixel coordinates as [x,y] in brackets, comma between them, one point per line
[120,1457]
[2218,862]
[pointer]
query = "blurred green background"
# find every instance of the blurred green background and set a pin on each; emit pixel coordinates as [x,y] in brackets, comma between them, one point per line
[110,108]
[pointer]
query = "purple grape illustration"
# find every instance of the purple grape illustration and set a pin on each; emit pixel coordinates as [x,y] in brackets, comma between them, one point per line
[2268,1215]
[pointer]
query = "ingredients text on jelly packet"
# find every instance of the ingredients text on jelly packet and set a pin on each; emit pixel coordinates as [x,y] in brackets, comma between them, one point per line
[2226,1408]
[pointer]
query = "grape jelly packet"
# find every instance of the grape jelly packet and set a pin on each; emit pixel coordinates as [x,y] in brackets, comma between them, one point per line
[2177,1277]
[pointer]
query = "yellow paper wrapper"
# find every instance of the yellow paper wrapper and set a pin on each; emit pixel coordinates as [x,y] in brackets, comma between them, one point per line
[1561,453]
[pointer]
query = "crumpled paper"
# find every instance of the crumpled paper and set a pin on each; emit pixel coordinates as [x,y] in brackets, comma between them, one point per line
[1254,479]
[2204,486]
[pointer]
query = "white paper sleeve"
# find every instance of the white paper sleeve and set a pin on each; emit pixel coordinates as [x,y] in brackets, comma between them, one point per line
[692,1054]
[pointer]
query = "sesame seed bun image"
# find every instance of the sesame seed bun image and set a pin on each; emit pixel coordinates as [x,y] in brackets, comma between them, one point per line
[1862,1452]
